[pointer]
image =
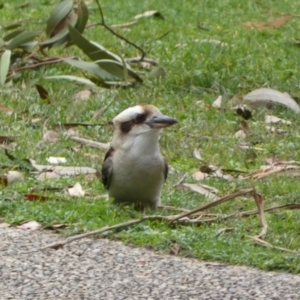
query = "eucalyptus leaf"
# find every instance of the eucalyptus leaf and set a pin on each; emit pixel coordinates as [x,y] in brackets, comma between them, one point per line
[12,26]
[83,16]
[62,36]
[93,50]
[11,35]
[92,68]
[22,38]
[4,65]
[58,15]
[72,78]
[157,72]
[117,69]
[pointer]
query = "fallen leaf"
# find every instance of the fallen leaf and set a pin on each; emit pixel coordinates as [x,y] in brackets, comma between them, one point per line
[76,190]
[63,171]
[150,13]
[275,120]
[56,160]
[35,197]
[5,139]
[200,190]
[42,92]
[5,109]
[275,130]
[265,96]
[240,134]
[272,24]
[97,114]
[197,154]
[55,226]
[82,95]
[218,102]
[50,136]
[30,226]
[174,250]
[13,176]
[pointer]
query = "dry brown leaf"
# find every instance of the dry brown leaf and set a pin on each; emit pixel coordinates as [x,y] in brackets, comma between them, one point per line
[99,113]
[259,200]
[76,190]
[272,24]
[240,134]
[6,109]
[275,130]
[50,136]
[13,176]
[218,102]
[63,171]
[5,139]
[197,154]
[274,120]
[200,190]
[174,250]
[265,96]
[82,95]
[150,13]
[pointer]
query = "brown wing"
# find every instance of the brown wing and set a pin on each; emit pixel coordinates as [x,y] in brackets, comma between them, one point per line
[107,167]
[166,170]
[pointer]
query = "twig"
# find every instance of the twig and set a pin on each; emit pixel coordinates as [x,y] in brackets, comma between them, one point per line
[139,59]
[263,243]
[259,200]
[143,53]
[214,203]
[90,143]
[40,64]
[60,244]
[181,180]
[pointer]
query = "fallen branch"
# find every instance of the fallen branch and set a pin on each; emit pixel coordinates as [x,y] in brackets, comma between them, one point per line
[259,200]
[214,203]
[90,143]
[263,243]
[60,244]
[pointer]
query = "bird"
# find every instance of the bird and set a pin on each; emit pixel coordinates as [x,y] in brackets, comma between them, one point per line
[133,170]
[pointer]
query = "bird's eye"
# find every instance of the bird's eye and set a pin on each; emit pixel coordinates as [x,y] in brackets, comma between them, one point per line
[140,118]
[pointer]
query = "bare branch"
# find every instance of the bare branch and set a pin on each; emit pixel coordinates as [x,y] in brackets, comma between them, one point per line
[117,34]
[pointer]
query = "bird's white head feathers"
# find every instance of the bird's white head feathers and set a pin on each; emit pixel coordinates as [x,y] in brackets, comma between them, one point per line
[139,124]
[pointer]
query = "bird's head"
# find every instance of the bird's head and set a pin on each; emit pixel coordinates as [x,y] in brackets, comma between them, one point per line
[141,121]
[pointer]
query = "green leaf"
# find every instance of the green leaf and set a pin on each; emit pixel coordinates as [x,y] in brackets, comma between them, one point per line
[11,35]
[57,15]
[117,69]
[93,50]
[22,38]
[73,78]
[4,65]
[83,15]
[12,26]
[62,36]
[92,68]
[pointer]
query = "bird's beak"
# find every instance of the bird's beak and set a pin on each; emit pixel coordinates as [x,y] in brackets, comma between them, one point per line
[161,122]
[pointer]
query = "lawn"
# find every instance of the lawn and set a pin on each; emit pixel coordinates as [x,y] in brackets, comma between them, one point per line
[206,51]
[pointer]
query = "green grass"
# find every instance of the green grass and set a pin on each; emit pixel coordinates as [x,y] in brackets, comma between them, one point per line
[197,72]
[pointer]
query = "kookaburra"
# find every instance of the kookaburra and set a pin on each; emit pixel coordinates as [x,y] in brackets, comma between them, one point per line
[134,170]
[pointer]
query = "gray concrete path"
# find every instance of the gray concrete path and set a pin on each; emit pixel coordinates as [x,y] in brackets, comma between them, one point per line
[103,269]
